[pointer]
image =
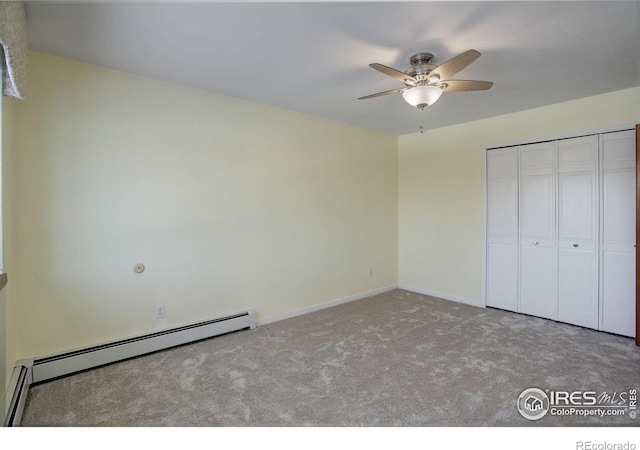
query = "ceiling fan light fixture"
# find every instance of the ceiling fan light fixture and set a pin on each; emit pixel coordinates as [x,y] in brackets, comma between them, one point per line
[422,96]
[410,82]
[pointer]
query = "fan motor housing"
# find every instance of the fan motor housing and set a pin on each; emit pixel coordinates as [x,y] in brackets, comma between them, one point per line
[420,66]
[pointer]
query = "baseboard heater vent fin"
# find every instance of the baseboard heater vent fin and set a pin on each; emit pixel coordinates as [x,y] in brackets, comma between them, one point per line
[17,393]
[78,360]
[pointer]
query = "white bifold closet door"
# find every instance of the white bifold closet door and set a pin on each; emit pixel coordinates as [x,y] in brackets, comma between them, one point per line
[577,197]
[537,230]
[618,266]
[561,230]
[502,229]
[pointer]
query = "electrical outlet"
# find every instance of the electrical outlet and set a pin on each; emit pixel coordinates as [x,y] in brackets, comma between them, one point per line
[159,311]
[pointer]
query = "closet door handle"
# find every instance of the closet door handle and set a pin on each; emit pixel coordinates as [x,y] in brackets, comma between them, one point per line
[535,242]
[576,245]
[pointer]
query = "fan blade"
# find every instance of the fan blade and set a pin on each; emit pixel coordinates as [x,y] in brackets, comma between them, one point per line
[455,64]
[466,85]
[393,73]
[392,91]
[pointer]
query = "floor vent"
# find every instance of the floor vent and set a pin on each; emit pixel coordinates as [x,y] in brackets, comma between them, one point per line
[76,361]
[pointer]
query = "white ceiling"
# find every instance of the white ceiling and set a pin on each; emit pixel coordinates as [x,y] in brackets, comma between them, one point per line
[313,57]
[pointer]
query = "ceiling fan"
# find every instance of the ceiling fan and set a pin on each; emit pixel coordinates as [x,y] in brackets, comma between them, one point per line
[425,82]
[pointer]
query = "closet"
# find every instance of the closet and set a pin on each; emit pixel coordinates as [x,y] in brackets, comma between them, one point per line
[560,230]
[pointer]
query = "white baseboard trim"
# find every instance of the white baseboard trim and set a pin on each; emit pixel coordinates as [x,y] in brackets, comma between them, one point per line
[442,295]
[319,306]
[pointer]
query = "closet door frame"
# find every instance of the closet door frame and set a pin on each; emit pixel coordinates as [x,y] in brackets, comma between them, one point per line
[637,234]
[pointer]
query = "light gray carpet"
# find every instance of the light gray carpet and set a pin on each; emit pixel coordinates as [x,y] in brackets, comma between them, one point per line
[396,359]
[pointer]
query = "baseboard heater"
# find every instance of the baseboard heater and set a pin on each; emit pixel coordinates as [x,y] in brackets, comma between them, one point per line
[78,360]
[38,370]
[17,393]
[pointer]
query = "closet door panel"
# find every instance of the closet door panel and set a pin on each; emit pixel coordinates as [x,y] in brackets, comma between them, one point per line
[577,287]
[537,224]
[578,154]
[617,306]
[536,202]
[577,197]
[536,158]
[502,209]
[618,293]
[537,270]
[502,229]
[502,276]
[577,214]
[619,206]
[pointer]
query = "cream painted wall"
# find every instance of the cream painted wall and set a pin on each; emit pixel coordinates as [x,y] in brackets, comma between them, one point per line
[233,205]
[230,205]
[441,190]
